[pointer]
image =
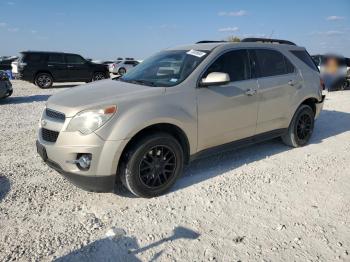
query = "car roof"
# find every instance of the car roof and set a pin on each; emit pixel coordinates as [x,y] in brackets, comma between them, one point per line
[47,52]
[212,45]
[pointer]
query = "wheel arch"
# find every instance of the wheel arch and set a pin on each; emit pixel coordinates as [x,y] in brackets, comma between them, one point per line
[41,72]
[311,102]
[169,128]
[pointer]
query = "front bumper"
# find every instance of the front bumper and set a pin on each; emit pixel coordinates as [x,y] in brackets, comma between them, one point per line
[92,182]
[319,106]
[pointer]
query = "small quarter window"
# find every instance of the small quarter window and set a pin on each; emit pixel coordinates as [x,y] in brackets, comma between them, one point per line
[306,58]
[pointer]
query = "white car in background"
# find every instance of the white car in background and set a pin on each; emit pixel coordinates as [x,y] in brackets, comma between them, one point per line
[121,66]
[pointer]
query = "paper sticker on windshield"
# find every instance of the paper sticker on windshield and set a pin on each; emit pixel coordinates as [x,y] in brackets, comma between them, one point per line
[196,53]
[174,80]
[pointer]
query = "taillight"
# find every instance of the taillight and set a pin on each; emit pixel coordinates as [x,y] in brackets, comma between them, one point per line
[322,85]
[113,65]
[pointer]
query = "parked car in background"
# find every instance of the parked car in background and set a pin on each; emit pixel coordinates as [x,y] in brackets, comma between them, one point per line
[121,66]
[5,62]
[45,68]
[103,62]
[178,105]
[5,85]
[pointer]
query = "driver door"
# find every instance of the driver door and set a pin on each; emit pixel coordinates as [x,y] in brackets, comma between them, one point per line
[77,68]
[228,112]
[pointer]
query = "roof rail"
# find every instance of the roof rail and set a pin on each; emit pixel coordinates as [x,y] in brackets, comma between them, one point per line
[210,41]
[268,40]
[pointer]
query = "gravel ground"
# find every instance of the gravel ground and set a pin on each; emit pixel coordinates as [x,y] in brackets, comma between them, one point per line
[262,203]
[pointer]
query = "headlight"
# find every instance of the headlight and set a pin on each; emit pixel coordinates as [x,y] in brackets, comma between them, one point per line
[88,121]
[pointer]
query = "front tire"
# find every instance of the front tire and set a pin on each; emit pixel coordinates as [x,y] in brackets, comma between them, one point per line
[300,128]
[152,165]
[43,80]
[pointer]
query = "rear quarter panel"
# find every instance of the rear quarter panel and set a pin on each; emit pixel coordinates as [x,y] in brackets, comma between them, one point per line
[310,81]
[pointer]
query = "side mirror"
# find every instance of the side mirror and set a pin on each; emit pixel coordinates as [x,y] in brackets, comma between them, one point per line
[215,79]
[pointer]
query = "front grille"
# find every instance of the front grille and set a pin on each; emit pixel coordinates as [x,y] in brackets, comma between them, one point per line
[49,135]
[55,115]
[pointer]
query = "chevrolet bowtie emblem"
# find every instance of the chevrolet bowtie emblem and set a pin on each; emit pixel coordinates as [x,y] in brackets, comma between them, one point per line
[43,123]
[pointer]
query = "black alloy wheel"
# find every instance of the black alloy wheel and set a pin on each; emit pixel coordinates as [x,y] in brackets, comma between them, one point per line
[152,164]
[303,127]
[44,80]
[157,166]
[98,76]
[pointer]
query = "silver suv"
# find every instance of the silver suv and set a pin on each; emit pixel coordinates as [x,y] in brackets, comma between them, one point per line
[178,105]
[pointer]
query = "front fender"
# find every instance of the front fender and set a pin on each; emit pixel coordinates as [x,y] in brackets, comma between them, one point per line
[137,117]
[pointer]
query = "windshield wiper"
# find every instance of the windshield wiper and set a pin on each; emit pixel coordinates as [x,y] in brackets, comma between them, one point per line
[140,82]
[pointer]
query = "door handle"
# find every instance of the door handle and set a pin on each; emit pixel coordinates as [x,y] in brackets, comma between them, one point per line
[69,66]
[250,92]
[50,65]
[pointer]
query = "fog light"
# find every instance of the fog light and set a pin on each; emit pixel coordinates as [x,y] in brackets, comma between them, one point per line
[84,161]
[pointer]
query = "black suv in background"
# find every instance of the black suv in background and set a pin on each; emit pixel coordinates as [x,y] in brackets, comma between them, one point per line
[44,68]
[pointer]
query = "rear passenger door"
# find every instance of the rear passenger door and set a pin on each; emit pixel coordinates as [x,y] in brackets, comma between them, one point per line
[278,81]
[78,68]
[57,66]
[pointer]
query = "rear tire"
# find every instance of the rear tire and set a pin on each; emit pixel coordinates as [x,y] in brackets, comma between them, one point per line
[301,127]
[152,165]
[43,80]
[98,76]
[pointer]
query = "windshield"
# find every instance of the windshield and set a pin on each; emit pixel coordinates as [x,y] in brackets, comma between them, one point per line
[167,68]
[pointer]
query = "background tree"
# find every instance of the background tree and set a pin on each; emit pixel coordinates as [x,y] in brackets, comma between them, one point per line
[233,39]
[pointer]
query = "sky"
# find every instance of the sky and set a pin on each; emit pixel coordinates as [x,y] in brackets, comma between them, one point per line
[107,29]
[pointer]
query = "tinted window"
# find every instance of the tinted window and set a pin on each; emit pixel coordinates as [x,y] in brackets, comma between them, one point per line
[272,63]
[131,62]
[74,59]
[33,57]
[56,58]
[305,57]
[316,59]
[235,63]
[289,66]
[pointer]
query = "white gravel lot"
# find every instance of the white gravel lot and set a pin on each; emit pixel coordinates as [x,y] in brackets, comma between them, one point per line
[262,203]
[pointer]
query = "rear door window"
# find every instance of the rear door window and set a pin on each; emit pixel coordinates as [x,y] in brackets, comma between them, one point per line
[306,58]
[56,58]
[289,66]
[272,63]
[234,63]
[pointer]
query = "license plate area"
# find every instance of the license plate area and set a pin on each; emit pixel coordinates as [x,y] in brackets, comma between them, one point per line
[41,151]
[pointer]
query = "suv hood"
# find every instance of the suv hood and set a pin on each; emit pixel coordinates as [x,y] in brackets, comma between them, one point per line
[99,93]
